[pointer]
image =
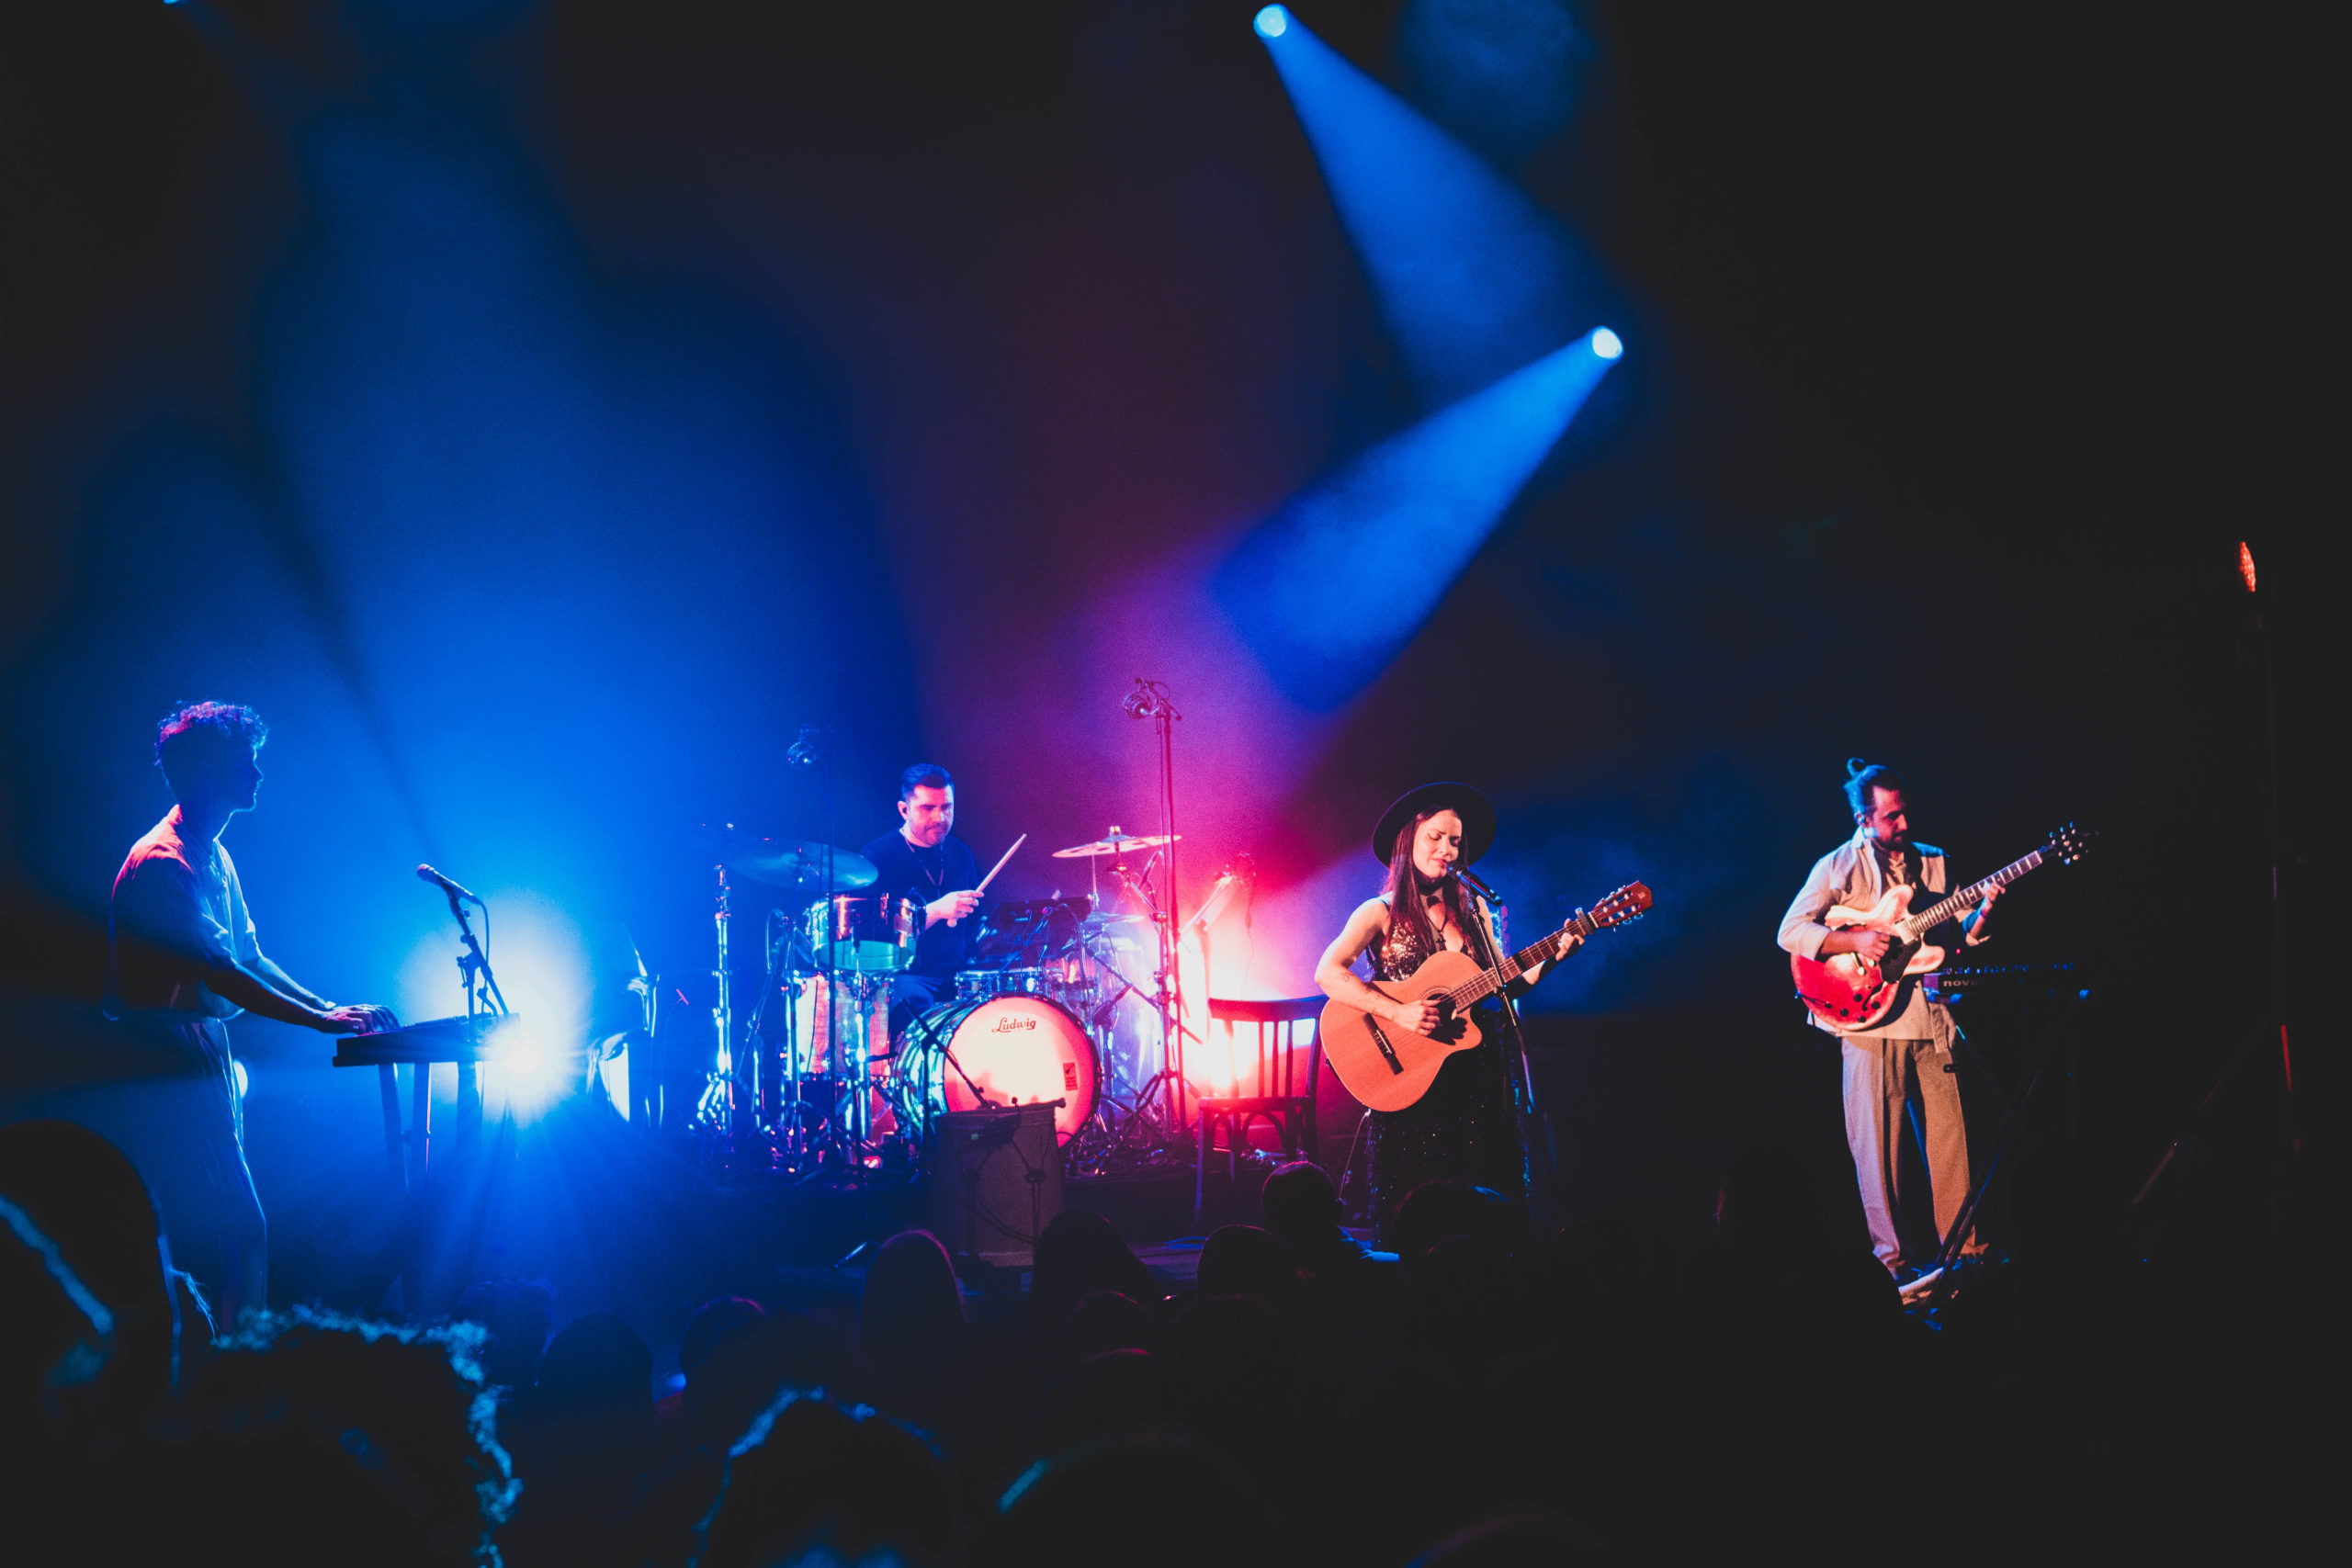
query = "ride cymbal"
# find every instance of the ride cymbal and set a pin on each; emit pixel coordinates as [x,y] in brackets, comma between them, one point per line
[1116,844]
[793,863]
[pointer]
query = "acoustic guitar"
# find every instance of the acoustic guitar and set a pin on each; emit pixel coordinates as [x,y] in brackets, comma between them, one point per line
[1848,991]
[1388,1067]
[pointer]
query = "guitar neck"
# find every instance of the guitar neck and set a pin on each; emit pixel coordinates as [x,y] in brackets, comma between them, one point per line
[1960,902]
[1472,992]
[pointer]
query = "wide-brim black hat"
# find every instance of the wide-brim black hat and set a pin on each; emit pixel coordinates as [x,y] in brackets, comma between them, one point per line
[1478,814]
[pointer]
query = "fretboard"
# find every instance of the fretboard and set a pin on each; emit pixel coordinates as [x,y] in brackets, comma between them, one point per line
[1489,981]
[1936,914]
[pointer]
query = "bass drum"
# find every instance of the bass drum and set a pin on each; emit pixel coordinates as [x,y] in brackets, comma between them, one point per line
[1017,1050]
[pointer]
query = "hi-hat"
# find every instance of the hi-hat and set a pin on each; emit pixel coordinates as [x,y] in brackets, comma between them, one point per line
[792,863]
[1116,844]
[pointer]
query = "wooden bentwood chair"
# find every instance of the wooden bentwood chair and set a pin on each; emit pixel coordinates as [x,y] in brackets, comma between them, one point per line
[1279,1098]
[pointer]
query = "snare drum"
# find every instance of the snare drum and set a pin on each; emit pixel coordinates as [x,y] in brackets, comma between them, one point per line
[1018,1050]
[873,934]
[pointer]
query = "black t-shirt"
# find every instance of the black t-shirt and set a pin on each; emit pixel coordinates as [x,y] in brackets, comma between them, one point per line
[924,875]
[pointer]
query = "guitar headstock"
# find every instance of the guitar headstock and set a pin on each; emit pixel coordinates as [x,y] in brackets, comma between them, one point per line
[2068,844]
[1628,903]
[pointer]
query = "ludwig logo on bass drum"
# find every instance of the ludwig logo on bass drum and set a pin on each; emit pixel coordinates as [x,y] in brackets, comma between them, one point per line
[1013,1024]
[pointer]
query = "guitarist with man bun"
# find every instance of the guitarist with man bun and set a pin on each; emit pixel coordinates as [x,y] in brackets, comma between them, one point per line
[1465,1124]
[1901,1064]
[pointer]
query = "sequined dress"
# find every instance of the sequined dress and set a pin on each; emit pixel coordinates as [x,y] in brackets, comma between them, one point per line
[1464,1126]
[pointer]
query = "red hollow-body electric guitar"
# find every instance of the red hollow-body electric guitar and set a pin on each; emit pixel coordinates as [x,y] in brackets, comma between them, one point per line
[1388,1067]
[1848,991]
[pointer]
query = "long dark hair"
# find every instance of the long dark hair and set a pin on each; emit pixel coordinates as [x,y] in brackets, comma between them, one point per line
[1408,890]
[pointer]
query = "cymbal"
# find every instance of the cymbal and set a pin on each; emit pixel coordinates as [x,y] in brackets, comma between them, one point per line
[793,863]
[1116,845]
[1095,925]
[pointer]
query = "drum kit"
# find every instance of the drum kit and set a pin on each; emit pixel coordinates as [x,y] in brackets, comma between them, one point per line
[1068,1003]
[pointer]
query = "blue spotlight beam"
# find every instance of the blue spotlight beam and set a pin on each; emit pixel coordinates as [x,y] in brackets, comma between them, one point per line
[1473,278]
[1329,591]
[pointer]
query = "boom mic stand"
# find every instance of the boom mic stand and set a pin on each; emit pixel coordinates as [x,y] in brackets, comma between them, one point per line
[483,999]
[1535,1139]
[1150,699]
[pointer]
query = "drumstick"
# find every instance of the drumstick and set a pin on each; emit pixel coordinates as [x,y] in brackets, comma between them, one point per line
[1000,865]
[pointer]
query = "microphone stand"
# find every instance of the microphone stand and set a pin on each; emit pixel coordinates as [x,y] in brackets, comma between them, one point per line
[483,999]
[1535,1148]
[1150,699]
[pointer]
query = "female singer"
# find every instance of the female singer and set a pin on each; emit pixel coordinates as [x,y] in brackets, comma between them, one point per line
[1467,1125]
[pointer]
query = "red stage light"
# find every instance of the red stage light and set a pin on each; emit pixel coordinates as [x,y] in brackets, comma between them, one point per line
[2245,565]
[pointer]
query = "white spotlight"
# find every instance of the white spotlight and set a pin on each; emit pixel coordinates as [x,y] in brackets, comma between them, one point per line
[1606,344]
[1273,21]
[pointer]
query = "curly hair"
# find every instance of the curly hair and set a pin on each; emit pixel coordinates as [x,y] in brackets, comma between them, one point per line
[356,1428]
[193,731]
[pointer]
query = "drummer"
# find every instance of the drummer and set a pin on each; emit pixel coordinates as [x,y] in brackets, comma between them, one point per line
[926,862]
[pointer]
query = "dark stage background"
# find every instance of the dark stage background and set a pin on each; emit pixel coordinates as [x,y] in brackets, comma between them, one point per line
[539,411]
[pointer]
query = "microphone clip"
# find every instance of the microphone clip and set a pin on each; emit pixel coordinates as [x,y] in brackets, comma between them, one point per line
[1485,894]
[1150,699]
[806,749]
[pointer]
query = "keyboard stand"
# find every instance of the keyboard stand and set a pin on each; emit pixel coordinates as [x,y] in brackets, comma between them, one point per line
[419,1047]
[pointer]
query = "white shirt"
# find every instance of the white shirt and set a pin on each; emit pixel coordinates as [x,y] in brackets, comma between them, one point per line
[184,899]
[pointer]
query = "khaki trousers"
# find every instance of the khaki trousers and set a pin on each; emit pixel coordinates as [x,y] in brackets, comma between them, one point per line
[1887,1081]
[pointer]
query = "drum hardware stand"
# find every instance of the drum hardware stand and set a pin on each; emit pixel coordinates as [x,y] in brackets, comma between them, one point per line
[783,1111]
[1137,1109]
[808,750]
[850,1133]
[715,1115]
[1127,986]
[645,1086]
[1169,1002]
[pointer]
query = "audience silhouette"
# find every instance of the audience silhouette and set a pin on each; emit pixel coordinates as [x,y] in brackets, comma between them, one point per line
[1487,1399]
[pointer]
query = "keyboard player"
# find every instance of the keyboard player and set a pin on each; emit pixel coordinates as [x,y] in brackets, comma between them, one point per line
[183,959]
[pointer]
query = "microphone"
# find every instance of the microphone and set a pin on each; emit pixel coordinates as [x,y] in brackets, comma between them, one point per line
[426,874]
[1470,880]
[1148,700]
